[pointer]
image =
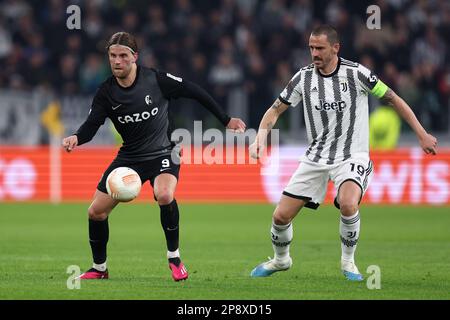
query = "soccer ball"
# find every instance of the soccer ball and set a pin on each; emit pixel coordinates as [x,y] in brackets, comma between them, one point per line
[123,184]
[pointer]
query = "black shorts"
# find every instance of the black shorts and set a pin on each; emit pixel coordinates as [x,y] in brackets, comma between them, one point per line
[147,170]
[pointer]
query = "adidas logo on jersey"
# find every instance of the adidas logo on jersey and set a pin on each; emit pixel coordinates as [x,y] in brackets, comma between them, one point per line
[335,105]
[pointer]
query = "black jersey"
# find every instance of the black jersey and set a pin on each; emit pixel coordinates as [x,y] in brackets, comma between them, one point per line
[140,112]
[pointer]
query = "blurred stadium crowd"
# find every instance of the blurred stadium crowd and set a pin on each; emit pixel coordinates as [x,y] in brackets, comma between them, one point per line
[248,44]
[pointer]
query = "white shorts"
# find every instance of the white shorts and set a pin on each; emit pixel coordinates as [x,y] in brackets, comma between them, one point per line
[310,181]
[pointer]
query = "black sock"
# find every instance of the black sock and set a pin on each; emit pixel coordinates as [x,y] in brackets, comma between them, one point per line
[169,221]
[98,238]
[175,261]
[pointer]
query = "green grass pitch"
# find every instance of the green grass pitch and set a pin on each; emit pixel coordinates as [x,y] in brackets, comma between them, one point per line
[220,244]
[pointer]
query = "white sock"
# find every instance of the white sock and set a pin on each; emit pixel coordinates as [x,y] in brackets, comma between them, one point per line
[281,240]
[100,267]
[349,231]
[173,254]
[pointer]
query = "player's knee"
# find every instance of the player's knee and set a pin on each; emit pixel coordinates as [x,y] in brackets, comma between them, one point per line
[281,217]
[164,197]
[96,215]
[348,208]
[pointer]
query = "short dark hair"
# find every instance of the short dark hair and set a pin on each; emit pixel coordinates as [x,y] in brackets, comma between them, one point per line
[122,38]
[329,31]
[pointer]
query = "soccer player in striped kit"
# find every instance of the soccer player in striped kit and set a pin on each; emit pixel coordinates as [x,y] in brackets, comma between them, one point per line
[334,92]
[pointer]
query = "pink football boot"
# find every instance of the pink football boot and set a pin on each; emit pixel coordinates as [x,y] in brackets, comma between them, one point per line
[94,274]
[178,272]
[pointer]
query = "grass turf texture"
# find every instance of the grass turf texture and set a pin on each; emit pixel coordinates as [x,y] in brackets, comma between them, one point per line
[220,245]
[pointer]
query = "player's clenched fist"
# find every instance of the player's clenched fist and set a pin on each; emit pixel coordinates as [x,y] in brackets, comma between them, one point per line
[428,143]
[256,150]
[70,143]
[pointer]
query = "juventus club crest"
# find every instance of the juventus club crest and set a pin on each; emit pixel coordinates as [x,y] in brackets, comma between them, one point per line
[148,100]
[344,86]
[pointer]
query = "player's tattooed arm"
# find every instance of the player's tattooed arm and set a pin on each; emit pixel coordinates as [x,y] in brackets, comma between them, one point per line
[426,140]
[267,123]
[269,120]
[389,97]
[276,104]
[279,107]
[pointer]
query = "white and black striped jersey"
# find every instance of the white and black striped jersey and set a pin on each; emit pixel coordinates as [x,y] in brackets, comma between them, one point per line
[336,109]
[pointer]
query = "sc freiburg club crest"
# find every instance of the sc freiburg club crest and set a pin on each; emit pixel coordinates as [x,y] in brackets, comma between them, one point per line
[148,100]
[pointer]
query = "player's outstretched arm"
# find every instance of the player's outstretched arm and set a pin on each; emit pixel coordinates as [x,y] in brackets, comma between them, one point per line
[86,132]
[194,91]
[175,87]
[69,143]
[267,123]
[427,142]
[89,128]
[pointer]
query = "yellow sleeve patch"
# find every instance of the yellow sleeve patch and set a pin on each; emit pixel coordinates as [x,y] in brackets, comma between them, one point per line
[379,89]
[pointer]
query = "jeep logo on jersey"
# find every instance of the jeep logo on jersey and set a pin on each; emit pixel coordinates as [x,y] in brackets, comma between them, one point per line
[335,105]
[137,117]
[148,100]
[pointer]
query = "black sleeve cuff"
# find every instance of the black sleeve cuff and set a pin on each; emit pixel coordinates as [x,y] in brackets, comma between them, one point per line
[86,132]
[284,101]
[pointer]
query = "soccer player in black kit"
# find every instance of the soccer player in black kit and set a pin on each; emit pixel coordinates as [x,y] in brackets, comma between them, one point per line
[136,99]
